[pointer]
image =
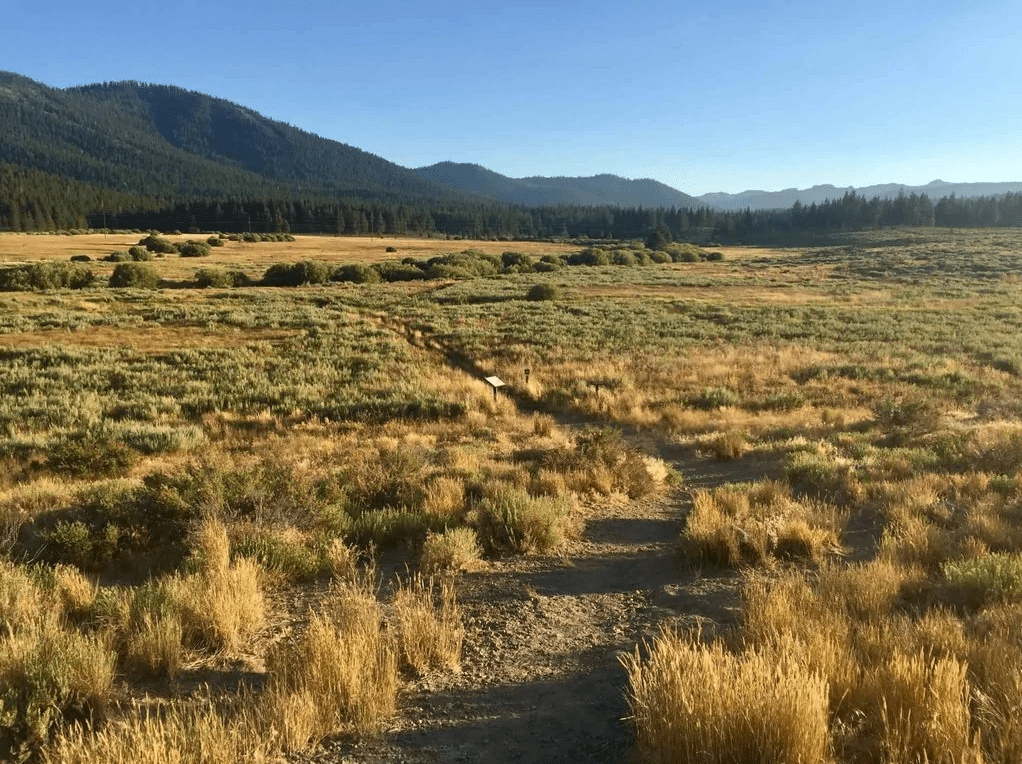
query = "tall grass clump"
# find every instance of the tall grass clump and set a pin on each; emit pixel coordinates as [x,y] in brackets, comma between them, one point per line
[753,524]
[340,675]
[700,703]
[222,605]
[177,735]
[429,624]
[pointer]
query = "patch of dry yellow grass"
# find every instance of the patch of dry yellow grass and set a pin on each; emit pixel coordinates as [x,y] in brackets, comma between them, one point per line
[429,624]
[693,702]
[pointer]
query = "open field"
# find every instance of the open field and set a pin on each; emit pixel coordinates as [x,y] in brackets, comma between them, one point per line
[760,508]
[251,258]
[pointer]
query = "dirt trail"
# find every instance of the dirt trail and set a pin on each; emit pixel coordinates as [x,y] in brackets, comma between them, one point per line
[541,679]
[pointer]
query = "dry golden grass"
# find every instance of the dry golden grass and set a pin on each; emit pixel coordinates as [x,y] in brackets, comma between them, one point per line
[253,258]
[738,525]
[340,675]
[924,710]
[178,735]
[700,703]
[429,624]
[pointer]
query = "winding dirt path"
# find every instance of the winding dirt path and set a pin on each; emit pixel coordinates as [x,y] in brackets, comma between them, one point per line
[541,679]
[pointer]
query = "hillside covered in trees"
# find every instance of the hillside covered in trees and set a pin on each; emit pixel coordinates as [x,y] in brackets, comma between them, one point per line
[130,155]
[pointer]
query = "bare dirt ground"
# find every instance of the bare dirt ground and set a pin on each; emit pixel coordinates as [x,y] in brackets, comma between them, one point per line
[541,677]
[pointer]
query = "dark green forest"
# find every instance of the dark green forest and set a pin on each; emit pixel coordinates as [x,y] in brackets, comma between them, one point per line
[137,156]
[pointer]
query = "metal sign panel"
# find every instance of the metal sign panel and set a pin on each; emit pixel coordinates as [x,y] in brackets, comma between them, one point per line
[495,381]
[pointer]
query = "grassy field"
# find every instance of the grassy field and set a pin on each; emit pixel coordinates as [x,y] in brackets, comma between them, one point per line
[174,459]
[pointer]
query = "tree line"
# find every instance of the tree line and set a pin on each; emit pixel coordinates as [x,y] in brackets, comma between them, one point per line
[32,200]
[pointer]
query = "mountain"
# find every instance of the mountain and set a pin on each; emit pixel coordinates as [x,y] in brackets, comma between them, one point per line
[598,190]
[163,141]
[766,200]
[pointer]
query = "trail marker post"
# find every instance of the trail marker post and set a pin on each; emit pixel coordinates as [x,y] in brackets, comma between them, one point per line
[495,383]
[527,376]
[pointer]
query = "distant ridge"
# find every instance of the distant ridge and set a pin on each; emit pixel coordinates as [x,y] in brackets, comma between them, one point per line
[767,200]
[160,140]
[594,191]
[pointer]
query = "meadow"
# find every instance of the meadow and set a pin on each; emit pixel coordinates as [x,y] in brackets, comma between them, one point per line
[182,465]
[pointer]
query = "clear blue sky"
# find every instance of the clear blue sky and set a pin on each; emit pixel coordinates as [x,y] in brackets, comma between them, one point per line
[761,94]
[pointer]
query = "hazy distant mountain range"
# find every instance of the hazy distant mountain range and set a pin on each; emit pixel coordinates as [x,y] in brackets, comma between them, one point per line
[765,200]
[594,191]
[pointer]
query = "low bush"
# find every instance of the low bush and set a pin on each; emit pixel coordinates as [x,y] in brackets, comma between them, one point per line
[41,276]
[50,677]
[510,520]
[540,292]
[215,241]
[399,272]
[89,454]
[194,249]
[216,278]
[81,259]
[993,577]
[134,276]
[119,256]
[713,398]
[357,273]
[159,245]
[297,274]
[455,549]
[139,254]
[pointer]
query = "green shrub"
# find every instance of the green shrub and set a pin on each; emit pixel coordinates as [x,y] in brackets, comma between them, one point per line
[81,259]
[140,254]
[907,416]
[194,249]
[357,273]
[119,256]
[40,276]
[399,272]
[517,262]
[217,278]
[714,398]
[512,520]
[134,276]
[715,256]
[84,454]
[287,557]
[990,578]
[540,292]
[49,678]
[297,274]
[590,256]
[215,241]
[158,244]
[623,257]
[686,253]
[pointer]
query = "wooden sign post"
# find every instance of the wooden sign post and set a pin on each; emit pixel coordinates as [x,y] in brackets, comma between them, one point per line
[494,382]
